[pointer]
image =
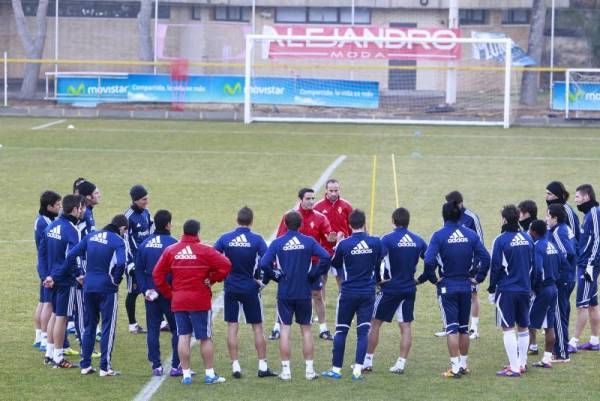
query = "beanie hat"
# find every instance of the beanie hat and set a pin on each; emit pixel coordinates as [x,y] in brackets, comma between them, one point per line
[137,192]
[556,188]
[86,188]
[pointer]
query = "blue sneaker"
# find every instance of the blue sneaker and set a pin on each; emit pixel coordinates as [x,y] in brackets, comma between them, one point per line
[186,380]
[357,378]
[331,375]
[37,344]
[216,379]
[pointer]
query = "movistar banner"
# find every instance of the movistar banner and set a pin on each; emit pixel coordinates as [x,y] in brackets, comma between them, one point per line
[219,89]
[582,96]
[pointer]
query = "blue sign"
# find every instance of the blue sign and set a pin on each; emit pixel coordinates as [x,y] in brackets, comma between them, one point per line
[582,96]
[220,89]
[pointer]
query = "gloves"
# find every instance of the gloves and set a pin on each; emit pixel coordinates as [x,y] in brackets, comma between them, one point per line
[151,295]
[492,298]
[130,268]
[588,274]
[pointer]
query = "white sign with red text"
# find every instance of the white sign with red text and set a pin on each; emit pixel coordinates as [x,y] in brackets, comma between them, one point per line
[358,42]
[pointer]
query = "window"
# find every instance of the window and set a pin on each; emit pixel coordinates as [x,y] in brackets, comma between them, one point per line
[322,15]
[95,9]
[472,17]
[231,13]
[515,16]
[196,12]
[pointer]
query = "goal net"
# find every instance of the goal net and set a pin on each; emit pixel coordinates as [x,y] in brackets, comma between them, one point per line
[378,75]
[579,94]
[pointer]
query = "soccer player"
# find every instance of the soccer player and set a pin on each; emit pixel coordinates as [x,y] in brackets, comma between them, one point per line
[140,227]
[194,267]
[356,259]
[242,289]
[92,197]
[453,249]
[148,253]
[401,252]
[59,237]
[527,213]
[562,237]
[543,309]
[315,225]
[588,268]
[470,220]
[557,193]
[105,255]
[510,281]
[337,210]
[50,204]
[292,254]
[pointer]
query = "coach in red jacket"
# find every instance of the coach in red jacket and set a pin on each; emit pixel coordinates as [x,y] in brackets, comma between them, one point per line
[193,267]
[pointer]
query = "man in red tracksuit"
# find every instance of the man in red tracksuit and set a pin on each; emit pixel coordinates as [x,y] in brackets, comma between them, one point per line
[337,210]
[316,225]
[193,268]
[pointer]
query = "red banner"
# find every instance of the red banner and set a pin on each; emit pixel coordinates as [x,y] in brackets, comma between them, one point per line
[358,43]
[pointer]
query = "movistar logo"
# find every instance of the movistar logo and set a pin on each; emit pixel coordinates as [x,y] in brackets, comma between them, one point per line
[232,90]
[76,92]
[576,95]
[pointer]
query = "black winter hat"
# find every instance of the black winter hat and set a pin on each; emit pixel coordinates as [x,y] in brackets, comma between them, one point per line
[86,188]
[137,192]
[557,188]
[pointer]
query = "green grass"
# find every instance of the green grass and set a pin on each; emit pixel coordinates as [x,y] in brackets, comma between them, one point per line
[210,170]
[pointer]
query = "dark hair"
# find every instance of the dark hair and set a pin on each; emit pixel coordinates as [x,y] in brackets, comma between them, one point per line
[451,211]
[245,216]
[401,217]
[120,221]
[557,211]
[558,189]
[454,196]
[293,220]
[70,202]
[528,206]
[538,227]
[304,191]
[511,214]
[587,189]
[161,219]
[331,181]
[76,183]
[48,198]
[357,219]
[191,227]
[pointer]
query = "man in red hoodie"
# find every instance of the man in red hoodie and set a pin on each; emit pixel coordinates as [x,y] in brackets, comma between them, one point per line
[193,268]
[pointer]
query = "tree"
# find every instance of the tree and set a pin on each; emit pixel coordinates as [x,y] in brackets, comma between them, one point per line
[535,46]
[34,46]
[144,20]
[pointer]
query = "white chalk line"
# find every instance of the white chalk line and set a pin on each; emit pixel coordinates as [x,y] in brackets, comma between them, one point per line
[50,124]
[152,386]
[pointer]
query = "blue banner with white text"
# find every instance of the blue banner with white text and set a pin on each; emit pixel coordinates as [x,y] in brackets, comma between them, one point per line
[584,96]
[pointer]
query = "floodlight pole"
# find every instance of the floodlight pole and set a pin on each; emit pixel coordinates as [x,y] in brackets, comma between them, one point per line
[155,35]
[552,53]
[55,40]
[253,17]
[451,73]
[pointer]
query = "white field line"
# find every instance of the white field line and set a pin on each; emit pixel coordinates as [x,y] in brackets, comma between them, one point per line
[14,241]
[152,386]
[37,127]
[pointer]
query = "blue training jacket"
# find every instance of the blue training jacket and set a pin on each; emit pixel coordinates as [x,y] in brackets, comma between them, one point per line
[589,240]
[104,252]
[39,228]
[512,263]
[564,240]
[140,227]
[356,260]
[87,224]
[148,254]
[292,253]
[244,249]
[401,252]
[59,238]
[547,262]
[452,249]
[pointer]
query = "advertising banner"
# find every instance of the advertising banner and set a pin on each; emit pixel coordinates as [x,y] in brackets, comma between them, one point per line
[496,51]
[219,89]
[354,45]
[584,96]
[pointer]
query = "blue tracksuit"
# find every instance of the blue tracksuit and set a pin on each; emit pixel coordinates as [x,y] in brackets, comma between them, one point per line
[564,240]
[512,273]
[60,237]
[244,249]
[589,255]
[41,222]
[547,259]
[572,221]
[105,254]
[148,253]
[452,249]
[356,260]
[87,224]
[140,227]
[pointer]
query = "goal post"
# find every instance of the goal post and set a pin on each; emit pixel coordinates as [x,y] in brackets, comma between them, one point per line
[377,79]
[581,93]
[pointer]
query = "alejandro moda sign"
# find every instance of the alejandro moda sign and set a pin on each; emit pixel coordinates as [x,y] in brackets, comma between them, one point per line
[218,89]
[358,43]
[582,96]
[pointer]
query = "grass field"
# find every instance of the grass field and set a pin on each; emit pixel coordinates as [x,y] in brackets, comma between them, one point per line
[209,170]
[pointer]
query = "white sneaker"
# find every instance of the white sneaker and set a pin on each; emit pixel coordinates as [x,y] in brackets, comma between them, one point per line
[285,376]
[440,334]
[473,335]
[396,369]
[109,372]
[311,376]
